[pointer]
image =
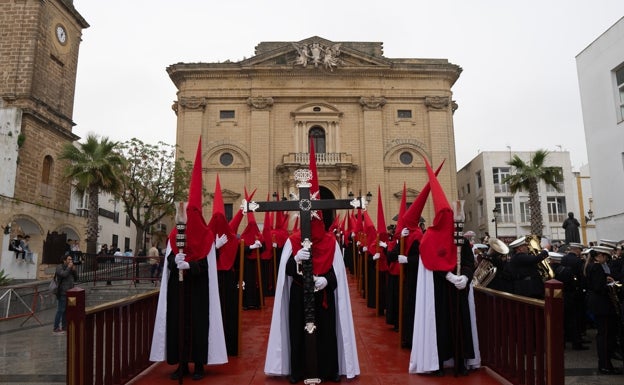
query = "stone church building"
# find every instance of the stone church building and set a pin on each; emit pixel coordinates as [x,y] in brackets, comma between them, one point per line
[372,120]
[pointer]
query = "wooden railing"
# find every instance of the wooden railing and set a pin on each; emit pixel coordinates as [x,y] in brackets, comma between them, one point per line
[521,338]
[108,344]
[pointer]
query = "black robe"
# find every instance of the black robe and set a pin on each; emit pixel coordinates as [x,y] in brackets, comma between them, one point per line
[195,322]
[325,320]
[409,289]
[453,326]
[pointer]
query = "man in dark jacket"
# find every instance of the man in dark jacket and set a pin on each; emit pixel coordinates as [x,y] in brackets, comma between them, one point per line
[66,275]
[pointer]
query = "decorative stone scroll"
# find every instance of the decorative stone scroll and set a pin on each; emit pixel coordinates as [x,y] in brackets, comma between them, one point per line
[318,55]
[192,103]
[373,102]
[437,102]
[260,103]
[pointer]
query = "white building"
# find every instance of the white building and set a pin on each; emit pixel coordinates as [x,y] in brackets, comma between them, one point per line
[480,184]
[115,227]
[600,69]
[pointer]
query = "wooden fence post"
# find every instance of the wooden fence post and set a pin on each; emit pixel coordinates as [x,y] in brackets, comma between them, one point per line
[553,314]
[75,314]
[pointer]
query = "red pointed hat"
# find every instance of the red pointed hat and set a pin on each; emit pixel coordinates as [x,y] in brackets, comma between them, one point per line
[252,231]
[381,221]
[199,238]
[437,248]
[219,225]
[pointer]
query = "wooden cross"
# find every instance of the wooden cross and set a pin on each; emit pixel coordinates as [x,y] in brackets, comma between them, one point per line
[307,206]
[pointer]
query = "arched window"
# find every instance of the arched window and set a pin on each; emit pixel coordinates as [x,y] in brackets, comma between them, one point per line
[46,172]
[317,134]
[46,176]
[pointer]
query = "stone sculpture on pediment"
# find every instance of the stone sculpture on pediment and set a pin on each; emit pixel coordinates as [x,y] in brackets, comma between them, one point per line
[318,55]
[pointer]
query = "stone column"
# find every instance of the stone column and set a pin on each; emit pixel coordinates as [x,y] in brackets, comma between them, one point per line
[440,121]
[190,112]
[260,140]
[372,170]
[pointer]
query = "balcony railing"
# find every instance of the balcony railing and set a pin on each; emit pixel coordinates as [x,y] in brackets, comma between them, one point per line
[325,158]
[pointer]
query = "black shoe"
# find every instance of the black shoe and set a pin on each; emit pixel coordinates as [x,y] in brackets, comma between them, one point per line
[293,379]
[616,356]
[438,373]
[181,371]
[198,374]
[579,347]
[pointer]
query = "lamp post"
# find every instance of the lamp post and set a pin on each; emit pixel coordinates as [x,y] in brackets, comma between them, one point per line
[495,220]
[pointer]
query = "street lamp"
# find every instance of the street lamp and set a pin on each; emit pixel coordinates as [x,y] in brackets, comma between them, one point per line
[590,214]
[495,220]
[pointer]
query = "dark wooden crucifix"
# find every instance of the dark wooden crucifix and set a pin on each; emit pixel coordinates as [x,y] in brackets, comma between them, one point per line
[307,206]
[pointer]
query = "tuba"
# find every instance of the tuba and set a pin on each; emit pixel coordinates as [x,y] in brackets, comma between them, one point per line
[486,271]
[543,267]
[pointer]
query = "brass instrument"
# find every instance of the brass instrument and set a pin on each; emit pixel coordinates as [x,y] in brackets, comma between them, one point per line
[543,267]
[486,271]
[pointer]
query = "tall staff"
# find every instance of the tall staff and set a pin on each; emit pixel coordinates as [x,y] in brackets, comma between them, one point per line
[241,270]
[181,244]
[401,290]
[260,283]
[459,218]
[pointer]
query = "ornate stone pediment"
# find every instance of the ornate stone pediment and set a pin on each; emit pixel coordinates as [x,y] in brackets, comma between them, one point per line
[316,53]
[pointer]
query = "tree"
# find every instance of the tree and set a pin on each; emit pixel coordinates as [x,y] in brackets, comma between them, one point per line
[527,177]
[152,181]
[94,167]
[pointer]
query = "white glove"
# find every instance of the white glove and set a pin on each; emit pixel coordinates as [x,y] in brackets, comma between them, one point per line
[462,280]
[320,283]
[383,244]
[402,259]
[302,255]
[275,245]
[352,235]
[364,249]
[220,241]
[179,258]
[256,245]
[183,265]
[376,256]
[405,232]
[358,243]
[452,278]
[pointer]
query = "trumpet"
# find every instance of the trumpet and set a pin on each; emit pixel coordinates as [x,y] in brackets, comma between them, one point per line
[543,267]
[486,271]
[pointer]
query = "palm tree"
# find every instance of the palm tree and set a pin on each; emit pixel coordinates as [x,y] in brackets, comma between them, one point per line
[94,167]
[527,176]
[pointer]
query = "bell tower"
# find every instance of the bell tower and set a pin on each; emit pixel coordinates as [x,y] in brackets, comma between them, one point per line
[38,63]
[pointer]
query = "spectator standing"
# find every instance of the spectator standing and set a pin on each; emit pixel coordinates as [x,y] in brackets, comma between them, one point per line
[66,276]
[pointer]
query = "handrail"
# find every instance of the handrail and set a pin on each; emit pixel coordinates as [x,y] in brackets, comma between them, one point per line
[521,338]
[10,292]
[108,343]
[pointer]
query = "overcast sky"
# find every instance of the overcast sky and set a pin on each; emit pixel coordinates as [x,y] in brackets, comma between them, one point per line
[518,87]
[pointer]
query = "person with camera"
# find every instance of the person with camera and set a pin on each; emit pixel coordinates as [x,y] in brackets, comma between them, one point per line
[66,276]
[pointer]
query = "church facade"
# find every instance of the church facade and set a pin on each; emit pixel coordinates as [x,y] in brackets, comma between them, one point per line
[372,120]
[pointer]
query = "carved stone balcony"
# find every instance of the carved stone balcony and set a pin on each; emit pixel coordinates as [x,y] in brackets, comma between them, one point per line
[322,159]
